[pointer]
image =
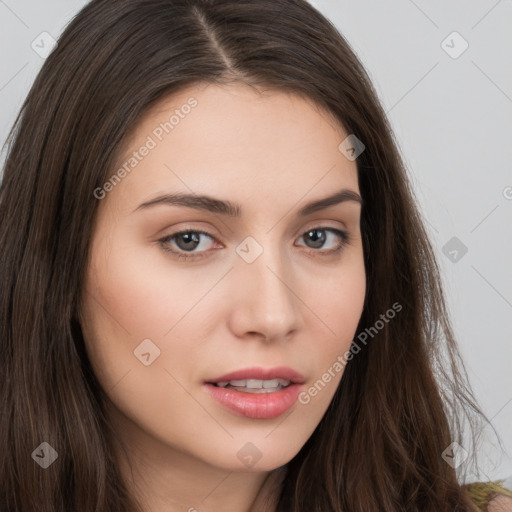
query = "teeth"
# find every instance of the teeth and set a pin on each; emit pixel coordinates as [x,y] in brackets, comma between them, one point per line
[271,383]
[255,383]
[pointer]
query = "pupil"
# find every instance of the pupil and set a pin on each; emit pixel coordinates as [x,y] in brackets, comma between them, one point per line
[318,241]
[190,238]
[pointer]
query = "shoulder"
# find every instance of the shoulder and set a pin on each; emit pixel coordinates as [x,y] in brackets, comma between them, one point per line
[490,496]
[500,503]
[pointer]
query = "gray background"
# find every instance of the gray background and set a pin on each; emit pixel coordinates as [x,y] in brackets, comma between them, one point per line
[452,117]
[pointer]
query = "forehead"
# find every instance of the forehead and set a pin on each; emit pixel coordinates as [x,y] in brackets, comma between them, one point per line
[235,140]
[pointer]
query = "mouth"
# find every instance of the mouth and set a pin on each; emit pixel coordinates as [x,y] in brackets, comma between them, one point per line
[254,385]
[257,393]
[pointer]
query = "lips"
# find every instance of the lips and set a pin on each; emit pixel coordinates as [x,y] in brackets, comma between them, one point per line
[257,393]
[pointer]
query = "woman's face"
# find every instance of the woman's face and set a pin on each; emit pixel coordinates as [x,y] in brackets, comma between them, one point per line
[267,299]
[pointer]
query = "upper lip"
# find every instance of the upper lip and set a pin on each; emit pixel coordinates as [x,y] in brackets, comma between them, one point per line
[278,372]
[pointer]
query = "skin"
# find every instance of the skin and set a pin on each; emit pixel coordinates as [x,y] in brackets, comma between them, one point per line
[500,504]
[294,305]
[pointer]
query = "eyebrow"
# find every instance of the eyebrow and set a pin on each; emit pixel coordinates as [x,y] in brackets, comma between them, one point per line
[222,207]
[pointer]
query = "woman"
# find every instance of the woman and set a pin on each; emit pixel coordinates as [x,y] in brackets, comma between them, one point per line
[217,291]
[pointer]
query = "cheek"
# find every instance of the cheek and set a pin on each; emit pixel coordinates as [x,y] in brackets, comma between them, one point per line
[131,302]
[342,303]
[337,297]
[133,296]
[337,303]
[145,293]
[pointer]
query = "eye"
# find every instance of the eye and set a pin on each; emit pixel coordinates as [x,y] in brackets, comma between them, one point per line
[320,236]
[183,244]
[186,241]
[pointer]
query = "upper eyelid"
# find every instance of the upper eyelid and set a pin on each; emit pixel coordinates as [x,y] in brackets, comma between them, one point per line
[318,224]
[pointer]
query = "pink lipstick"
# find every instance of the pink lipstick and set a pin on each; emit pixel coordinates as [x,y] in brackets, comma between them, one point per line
[257,393]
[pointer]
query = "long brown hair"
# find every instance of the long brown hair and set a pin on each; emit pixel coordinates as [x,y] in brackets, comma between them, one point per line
[400,402]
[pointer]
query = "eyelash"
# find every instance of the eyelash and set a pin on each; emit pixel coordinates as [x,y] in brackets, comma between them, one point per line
[344,236]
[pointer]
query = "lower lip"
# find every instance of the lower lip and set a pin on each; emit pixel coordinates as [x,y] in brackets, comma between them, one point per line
[262,406]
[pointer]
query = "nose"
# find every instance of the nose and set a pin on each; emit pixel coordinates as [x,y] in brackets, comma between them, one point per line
[265,298]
